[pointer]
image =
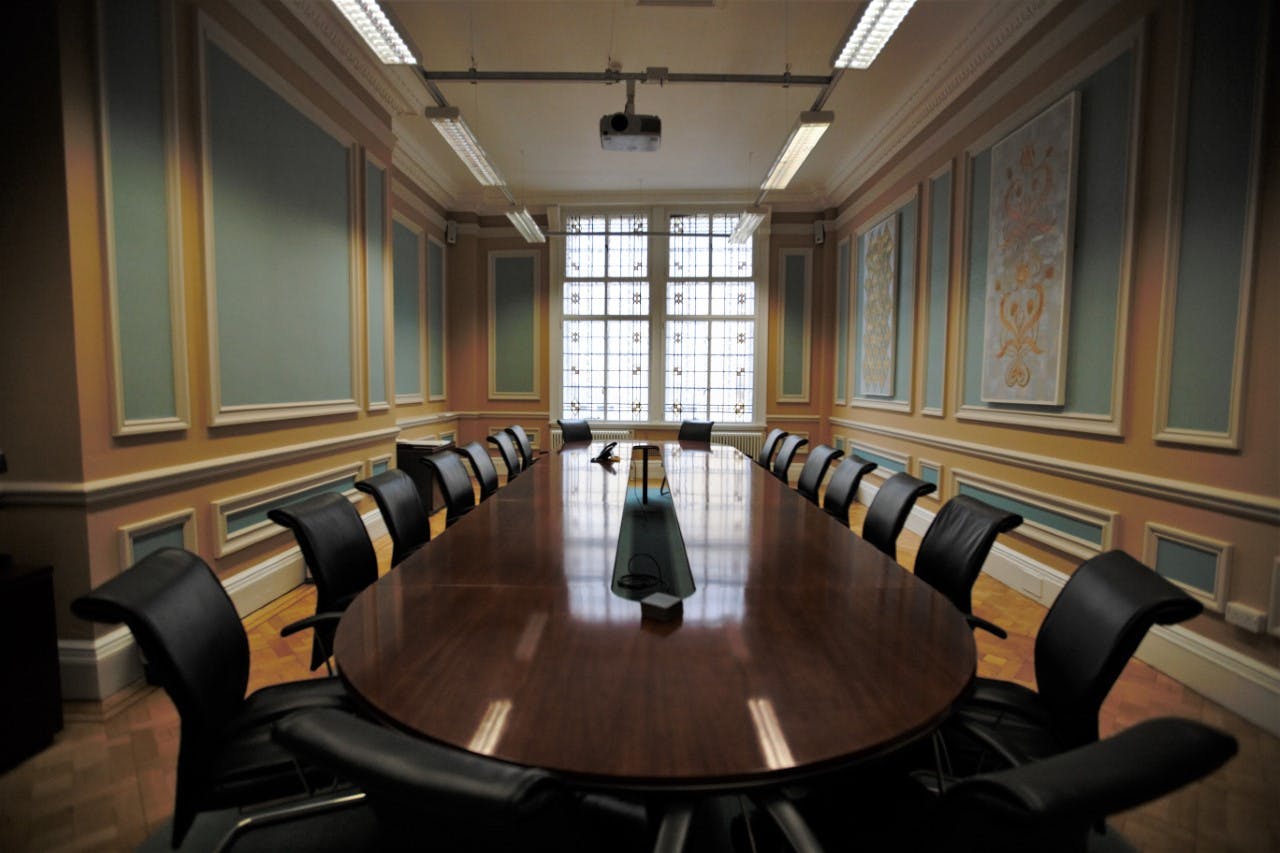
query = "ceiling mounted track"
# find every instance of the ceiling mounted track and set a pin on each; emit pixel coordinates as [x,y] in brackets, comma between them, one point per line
[649,75]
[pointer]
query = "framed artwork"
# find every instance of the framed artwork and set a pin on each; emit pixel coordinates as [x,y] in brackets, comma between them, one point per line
[1032,206]
[879,292]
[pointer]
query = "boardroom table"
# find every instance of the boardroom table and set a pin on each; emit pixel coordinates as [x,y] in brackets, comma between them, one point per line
[802,648]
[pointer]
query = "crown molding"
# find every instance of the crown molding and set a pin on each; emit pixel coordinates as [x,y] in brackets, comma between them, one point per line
[985,44]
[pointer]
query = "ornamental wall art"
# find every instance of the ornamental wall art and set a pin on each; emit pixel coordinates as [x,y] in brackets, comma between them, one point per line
[1029,241]
[879,292]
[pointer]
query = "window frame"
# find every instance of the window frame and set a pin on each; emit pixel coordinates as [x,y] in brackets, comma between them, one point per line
[658,265]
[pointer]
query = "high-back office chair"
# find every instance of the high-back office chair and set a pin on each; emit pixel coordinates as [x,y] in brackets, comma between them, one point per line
[889,510]
[574,431]
[814,470]
[407,521]
[196,649]
[765,457]
[1053,804]
[510,453]
[786,453]
[954,548]
[695,431]
[523,444]
[337,550]
[482,466]
[843,487]
[455,484]
[1093,628]
[425,794]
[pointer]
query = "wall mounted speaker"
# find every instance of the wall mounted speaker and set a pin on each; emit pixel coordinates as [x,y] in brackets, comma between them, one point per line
[451,232]
[819,233]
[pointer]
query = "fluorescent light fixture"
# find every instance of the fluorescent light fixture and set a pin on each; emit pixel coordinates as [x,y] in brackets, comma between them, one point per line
[748,222]
[448,120]
[871,33]
[524,223]
[376,30]
[804,136]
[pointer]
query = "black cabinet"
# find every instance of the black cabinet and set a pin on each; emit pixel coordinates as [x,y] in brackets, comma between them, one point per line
[30,692]
[409,456]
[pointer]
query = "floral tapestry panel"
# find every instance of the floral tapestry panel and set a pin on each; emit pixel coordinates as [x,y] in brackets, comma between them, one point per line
[879,294]
[1028,259]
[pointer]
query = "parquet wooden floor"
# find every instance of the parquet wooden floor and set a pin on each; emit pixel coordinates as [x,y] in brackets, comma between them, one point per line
[107,781]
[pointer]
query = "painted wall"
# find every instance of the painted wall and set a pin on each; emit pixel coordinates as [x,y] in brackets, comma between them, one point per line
[267,378]
[1122,463]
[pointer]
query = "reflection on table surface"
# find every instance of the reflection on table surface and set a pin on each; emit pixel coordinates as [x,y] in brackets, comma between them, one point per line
[801,645]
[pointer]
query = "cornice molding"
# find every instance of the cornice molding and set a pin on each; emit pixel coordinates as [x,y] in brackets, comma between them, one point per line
[996,33]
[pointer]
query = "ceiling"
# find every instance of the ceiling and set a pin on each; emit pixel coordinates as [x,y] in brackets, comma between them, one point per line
[718,139]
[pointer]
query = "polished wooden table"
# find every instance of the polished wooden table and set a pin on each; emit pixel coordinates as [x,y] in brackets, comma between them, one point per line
[802,648]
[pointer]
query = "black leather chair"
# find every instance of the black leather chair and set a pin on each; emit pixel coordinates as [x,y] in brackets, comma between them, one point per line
[455,484]
[574,431]
[337,550]
[843,487]
[1093,628]
[954,548]
[426,795]
[695,431]
[765,457]
[815,469]
[889,510]
[786,453]
[1057,804]
[482,466]
[401,506]
[196,649]
[511,456]
[523,444]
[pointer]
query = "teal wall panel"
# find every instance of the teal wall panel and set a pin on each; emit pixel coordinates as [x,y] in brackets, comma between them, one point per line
[1191,566]
[904,317]
[843,270]
[1215,197]
[406,271]
[436,344]
[795,273]
[256,514]
[165,537]
[939,280]
[514,317]
[883,461]
[380,467]
[1097,250]
[375,187]
[930,474]
[282,244]
[1065,524]
[132,47]
[839,443]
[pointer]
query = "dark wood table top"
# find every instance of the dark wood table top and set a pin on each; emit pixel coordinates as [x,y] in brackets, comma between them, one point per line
[803,646]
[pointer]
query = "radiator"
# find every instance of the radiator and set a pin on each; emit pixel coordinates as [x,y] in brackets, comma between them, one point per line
[748,442]
[557,437]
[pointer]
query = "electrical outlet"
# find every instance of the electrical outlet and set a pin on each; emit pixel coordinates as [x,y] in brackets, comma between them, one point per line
[1246,617]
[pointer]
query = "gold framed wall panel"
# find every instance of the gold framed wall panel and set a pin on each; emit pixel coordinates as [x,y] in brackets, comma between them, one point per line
[491,321]
[209,31]
[126,534]
[806,325]
[926,262]
[424,380]
[388,294]
[1132,39]
[1162,431]
[1104,519]
[181,419]
[1222,552]
[229,542]
[842,395]
[444,325]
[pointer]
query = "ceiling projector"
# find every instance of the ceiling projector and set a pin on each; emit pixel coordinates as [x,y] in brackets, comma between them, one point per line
[626,131]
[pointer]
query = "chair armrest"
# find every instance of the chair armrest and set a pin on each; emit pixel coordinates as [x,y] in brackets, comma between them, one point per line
[990,627]
[309,622]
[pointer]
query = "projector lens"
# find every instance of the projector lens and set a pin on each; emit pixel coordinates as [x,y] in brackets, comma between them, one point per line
[618,122]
